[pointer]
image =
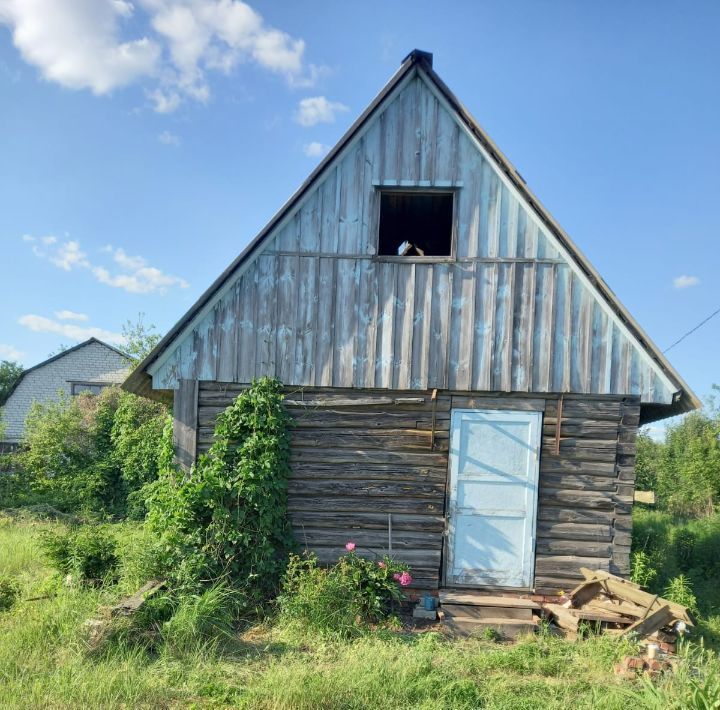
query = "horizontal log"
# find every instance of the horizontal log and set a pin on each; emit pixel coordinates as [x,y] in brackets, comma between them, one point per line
[420,560]
[583,548]
[553,513]
[354,455]
[376,539]
[593,409]
[392,472]
[504,403]
[396,439]
[579,483]
[580,499]
[579,453]
[595,532]
[568,566]
[398,489]
[367,504]
[555,464]
[353,521]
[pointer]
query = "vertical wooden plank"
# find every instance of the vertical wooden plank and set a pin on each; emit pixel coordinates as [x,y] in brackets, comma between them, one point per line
[185,400]
[329,194]
[445,147]
[286,318]
[543,328]
[225,337]
[370,208]
[502,360]
[422,322]
[504,221]
[486,284]
[462,331]
[409,146]
[429,108]
[350,201]
[522,352]
[494,215]
[206,348]
[324,336]
[468,206]
[581,338]
[364,371]
[563,325]
[403,337]
[307,305]
[385,330]
[441,303]
[345,322]
[266,314]
[310,224]
[247,315]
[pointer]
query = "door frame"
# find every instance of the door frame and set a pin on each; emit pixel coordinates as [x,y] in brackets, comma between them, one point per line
[452,459]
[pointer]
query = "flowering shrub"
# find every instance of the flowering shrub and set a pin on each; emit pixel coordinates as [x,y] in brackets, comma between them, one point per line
[343,598]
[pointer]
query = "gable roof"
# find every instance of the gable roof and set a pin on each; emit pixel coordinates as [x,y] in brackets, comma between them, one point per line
[62,354]
[140,381]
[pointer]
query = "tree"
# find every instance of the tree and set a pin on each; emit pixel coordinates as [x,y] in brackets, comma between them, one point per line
[647,462]
[9,374]
[140,339]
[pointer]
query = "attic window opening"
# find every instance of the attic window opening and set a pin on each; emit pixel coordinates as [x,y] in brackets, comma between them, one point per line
[415,224]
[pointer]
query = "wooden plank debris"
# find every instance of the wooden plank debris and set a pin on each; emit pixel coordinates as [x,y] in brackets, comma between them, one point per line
[619,607]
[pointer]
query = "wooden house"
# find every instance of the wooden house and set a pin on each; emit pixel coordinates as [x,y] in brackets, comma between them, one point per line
[466,388]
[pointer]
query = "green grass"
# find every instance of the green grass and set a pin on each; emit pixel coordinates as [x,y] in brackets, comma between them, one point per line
[198,662]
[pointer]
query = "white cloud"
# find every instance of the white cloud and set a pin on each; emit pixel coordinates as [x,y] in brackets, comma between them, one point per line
[168,138]
[315,149]
[40,324]
[132,273]
[70,315]
[685,281]
[317,109]
[8,352]
[82,44]
[77,44]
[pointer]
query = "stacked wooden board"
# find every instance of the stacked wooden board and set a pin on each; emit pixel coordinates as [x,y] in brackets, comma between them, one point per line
[621,607]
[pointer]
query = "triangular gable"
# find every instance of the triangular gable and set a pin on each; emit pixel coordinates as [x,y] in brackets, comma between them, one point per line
[618,356]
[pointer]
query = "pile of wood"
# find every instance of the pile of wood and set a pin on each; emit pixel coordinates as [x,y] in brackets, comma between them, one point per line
[620,607]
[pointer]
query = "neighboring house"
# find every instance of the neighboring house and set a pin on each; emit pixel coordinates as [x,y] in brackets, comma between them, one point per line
[87,367]
[466,388]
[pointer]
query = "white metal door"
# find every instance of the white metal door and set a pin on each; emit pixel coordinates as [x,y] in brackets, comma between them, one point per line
[494,463]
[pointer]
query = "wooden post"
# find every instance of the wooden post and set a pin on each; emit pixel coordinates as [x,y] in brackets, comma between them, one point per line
[185,406]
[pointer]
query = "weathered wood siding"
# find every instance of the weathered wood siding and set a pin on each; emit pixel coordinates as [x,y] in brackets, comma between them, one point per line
[508,311]
[360,458]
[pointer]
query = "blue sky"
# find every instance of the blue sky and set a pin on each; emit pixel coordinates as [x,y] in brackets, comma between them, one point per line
[144,143]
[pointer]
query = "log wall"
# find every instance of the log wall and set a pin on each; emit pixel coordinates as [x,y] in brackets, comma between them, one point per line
[371,466]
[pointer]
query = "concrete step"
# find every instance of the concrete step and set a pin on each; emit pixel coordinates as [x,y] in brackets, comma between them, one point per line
[507,628]
[487,612]
[486,600]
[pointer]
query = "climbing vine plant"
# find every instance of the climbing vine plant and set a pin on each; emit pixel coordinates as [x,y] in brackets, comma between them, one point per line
[227,519]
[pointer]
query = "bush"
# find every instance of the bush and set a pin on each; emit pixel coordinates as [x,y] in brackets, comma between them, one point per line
[9,593]
[227,519]
[139,432]
[93,454]
[672,546]
[88,552]
[343,598]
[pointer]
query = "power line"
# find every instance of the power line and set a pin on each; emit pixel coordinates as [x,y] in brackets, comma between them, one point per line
[690,332]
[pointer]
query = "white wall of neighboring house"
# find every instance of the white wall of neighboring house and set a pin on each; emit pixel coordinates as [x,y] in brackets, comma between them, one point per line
[91,363]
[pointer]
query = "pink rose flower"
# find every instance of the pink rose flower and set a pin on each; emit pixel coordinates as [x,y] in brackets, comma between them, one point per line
[350,546]
[405,579]
[396,576]
[382,565]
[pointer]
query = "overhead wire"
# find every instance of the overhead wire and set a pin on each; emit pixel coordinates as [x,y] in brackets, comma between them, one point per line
[692,330]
